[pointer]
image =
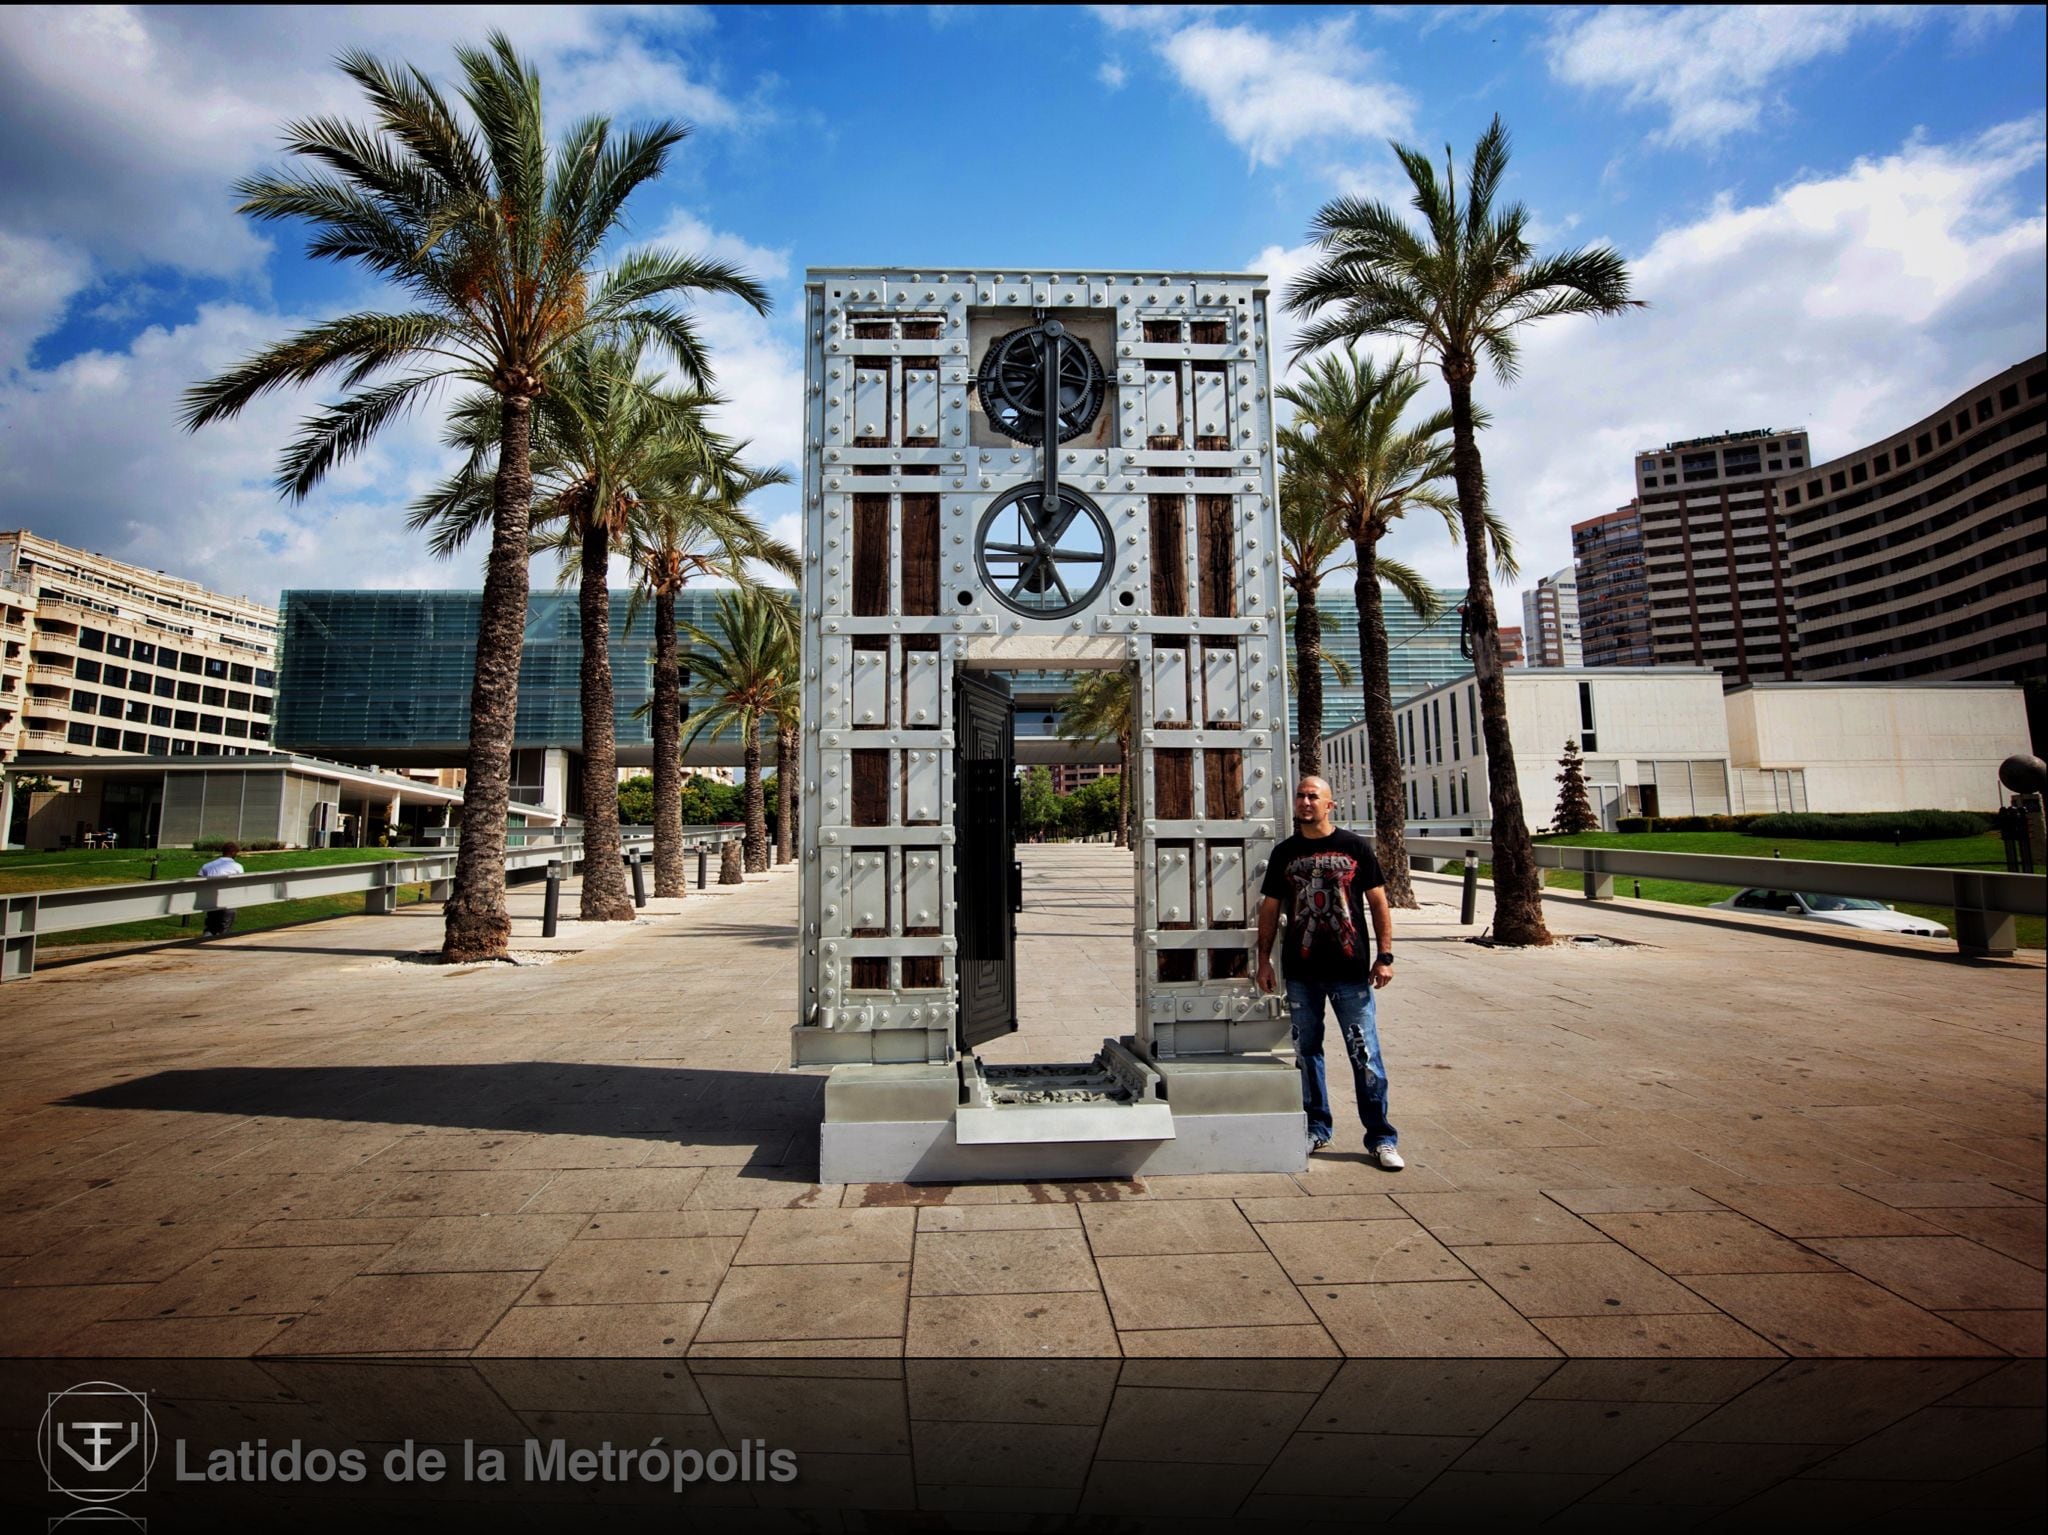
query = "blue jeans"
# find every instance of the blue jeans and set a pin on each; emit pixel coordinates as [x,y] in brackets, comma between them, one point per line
[1352,1001]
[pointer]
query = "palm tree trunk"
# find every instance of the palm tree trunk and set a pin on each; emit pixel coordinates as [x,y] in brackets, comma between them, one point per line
[1389,803]
[669,882]
[787,747]
[476,924]
[604,877]
[1517,885]
[1123,789]
[1308,670]
[756,801]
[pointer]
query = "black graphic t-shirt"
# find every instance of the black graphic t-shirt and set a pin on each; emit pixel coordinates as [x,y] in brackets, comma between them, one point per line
[1320,883]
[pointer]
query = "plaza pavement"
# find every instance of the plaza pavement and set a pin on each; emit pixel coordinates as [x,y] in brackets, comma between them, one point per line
[1715,1138]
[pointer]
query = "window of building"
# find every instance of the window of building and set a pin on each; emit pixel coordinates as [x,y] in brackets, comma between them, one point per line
[1436,804]
[1902,454]
[1472,714]
[1983,410]
[188,692]
[134,741]
[2009,397]
[265,678]
[138,681]
[1588,738]
[260,730]
[78,735]
[86,671]
[209,724]
[214,698]
[107,737]
[184,748]
[189,663]
[1941,434]
[185,719]
[238,728]
[165,688]
[1437,707]
[215,667]
[1456,750]
[167,658]
[159,746]
[1465,778]
[238,701]
[237,672]
[83,701]
[1882,464]
[110,706]
[137,712]
[115,676]
[1923,445]
[117,645]
[1858,474]
[92,639]
[160,717]
[145,653]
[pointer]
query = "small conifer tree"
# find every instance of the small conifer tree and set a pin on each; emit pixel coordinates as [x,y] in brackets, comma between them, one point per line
[1574,809]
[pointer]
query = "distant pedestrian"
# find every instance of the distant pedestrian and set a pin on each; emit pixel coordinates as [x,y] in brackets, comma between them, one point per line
[222,918]
[1327,878]
[108,839]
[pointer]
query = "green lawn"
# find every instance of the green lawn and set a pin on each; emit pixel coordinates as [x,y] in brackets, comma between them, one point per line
[1981,852]
[74,867]
[68,870]
[249,919]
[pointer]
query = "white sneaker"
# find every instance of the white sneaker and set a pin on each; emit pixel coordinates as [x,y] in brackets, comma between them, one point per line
[1388,1158]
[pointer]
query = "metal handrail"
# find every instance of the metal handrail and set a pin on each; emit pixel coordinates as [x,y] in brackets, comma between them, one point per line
[1984,901]
[27,914]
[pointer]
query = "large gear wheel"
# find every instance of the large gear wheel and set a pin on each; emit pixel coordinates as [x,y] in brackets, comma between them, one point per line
[1011,383]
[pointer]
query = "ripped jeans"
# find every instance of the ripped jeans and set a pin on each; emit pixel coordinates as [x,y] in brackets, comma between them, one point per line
[1352,1001]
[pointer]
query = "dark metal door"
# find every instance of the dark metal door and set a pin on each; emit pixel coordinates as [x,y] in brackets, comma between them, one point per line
[984,852]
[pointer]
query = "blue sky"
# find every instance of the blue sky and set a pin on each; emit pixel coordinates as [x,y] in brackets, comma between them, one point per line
[1836,214]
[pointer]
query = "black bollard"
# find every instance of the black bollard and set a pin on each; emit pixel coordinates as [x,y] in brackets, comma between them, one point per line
[551,911]
[1639,889]
[639,878]
[1468,905]
[703,864]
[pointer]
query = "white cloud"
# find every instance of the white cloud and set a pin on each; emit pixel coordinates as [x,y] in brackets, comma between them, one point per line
[38,279]
[126,126]
[1713,69]
[1112,74]
[1851,304]
[1269,92]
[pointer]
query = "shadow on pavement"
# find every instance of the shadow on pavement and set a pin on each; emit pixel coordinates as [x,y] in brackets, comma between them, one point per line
[534,1097]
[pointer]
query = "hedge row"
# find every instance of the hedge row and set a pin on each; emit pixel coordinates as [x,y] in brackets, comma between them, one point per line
[215,844]
[1876,826]
[1871,826]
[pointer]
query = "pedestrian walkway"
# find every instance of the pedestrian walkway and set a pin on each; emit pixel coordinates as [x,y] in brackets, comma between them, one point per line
[1705,1137]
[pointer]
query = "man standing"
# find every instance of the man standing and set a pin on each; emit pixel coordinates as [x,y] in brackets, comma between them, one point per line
[1328,876]
[221,918]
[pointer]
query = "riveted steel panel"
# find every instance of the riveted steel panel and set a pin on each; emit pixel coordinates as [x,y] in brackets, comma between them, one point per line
[922,787]
[870,688]
[1226,884]
[920,403]
[1170,686]
[867,891]
[921,692]
[871,403]
[1222,698]
[1212,403]
[1162,402]
[923,897]
[1176,884]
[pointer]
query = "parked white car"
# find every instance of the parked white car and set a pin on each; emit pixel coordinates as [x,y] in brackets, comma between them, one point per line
[1842,910]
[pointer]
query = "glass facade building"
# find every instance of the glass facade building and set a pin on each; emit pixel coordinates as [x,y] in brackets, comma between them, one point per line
[385,676]
[1419,656]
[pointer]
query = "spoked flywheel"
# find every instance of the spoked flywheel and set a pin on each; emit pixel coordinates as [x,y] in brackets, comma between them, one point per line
[1012,383]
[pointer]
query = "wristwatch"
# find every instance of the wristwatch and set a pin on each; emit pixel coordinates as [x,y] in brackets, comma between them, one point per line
[1383,958]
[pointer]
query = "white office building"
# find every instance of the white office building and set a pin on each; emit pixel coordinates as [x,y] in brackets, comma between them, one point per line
[1666,741]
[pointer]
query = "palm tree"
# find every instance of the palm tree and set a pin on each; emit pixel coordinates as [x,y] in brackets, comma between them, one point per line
[741,672]
[1460,291]
[697,527]
[494,235]
[1310,541]
[787,712]
[1101,707]
[1363,469]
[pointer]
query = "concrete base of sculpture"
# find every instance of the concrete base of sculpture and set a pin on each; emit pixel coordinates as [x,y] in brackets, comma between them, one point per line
[965,1123]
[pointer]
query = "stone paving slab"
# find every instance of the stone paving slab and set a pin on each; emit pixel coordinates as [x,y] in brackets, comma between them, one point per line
[1707,1140]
